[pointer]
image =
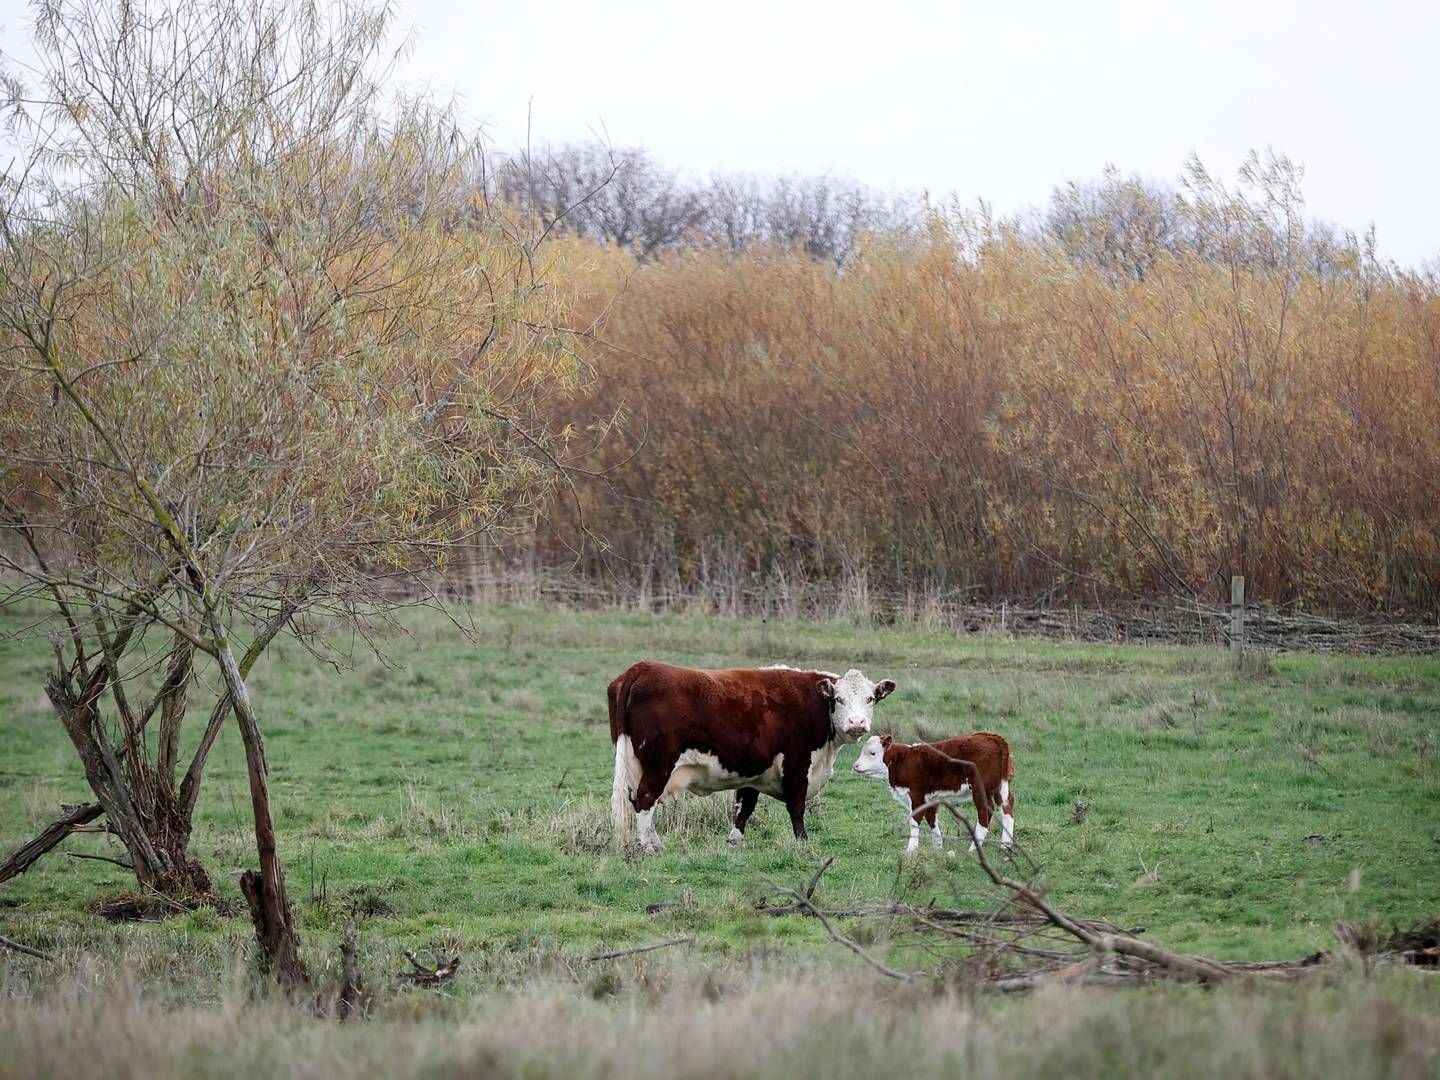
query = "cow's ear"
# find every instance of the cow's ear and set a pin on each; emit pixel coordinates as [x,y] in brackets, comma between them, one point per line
[826,688]
[885,741]
[884,688]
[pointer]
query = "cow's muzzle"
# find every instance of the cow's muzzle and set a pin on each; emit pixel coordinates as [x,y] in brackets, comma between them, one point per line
[857,726]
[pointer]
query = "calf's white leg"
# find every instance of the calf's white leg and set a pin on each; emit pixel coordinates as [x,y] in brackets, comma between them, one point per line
[980,831]
[914,836]
[1007,820]
[935,838]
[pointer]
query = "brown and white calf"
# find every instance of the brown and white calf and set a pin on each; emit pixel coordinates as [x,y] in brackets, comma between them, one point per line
[921,773]
[771,730]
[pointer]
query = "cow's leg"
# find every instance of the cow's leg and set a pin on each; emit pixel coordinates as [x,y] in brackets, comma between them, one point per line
[646,796]
[932,817]
[745,800]
[794,786]
[982,816]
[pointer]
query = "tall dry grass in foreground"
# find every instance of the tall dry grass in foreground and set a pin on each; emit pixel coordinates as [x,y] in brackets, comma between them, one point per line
[976,406]
[650,1020]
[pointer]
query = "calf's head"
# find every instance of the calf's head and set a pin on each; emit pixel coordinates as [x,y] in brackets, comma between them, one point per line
[852,702]
[871,761]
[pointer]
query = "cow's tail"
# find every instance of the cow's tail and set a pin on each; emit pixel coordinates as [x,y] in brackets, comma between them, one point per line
[621,808]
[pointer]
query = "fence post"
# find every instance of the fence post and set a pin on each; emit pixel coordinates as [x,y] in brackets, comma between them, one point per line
[1237,619]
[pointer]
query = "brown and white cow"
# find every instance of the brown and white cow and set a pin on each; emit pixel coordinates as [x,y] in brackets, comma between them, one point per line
[773,730]
[918,774]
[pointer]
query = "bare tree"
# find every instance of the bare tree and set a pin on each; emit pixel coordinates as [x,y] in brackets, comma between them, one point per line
[259,348]
[620,197]
[625,197]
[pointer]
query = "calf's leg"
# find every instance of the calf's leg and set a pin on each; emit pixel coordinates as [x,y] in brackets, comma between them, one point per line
[1007,814]
[936,840]
[916,799]
[982,816]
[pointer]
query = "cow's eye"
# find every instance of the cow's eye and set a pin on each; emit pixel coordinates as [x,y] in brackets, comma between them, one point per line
[870,700]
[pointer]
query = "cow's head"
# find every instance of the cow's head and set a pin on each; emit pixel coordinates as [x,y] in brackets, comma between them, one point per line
[871,761]
[852,702]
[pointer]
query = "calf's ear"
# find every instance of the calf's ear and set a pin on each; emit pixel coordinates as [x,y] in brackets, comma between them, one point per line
[826,688]
[884,688]
[885,741]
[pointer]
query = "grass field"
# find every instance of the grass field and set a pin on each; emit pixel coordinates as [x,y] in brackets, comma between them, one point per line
[457,797]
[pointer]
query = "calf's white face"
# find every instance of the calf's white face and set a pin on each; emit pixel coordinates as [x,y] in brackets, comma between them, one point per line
[852,703]
[871,761]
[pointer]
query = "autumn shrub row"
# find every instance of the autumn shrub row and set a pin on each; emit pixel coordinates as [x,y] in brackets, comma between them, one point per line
[973,406]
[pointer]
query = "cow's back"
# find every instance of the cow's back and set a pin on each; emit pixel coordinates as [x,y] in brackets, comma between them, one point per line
[743,716]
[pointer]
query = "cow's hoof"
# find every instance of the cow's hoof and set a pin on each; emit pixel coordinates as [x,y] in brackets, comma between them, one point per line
[650,847]
[736,838]
[1004,846]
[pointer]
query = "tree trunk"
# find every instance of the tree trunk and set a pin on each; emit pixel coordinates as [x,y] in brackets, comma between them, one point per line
[265,891]
[154,827]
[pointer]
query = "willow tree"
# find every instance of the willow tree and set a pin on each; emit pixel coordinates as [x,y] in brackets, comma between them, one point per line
[264,343]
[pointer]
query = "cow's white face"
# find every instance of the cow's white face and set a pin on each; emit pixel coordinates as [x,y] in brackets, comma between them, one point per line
[871,761]
[852,703]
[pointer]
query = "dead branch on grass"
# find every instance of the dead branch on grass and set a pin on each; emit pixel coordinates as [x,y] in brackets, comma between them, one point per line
[1028,942]
[443,971]
[10,943]
[640,949]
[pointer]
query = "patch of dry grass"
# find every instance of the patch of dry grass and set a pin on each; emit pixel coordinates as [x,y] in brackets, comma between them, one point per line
[640,1018]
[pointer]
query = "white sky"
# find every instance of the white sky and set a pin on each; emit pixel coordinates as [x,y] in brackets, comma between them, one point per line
[996,100]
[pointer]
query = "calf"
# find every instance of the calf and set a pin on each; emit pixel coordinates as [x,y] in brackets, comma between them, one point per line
[923,772]
[770,730]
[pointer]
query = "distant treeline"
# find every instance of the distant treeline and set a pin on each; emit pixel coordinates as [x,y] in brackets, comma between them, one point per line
[1136,392]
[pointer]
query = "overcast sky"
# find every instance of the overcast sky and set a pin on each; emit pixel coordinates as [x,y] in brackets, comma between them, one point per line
[996,100]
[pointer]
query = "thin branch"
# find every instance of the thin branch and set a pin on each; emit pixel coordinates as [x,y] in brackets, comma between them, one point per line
[640,949]
[100,858]
[9,943]
[803,900]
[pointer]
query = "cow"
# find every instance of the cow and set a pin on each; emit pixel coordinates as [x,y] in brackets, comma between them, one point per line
[924,772]
[772,730]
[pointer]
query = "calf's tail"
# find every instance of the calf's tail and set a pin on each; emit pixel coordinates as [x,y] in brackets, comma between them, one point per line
[1007,796]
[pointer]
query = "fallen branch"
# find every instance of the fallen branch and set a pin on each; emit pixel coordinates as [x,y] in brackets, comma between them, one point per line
[1198,967]
[442,972]
[640,949]
[8,943]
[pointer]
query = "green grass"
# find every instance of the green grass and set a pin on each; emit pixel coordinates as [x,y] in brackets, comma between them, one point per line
[461,789]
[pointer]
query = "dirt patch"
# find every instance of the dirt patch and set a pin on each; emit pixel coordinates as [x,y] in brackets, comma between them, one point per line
[154,907]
